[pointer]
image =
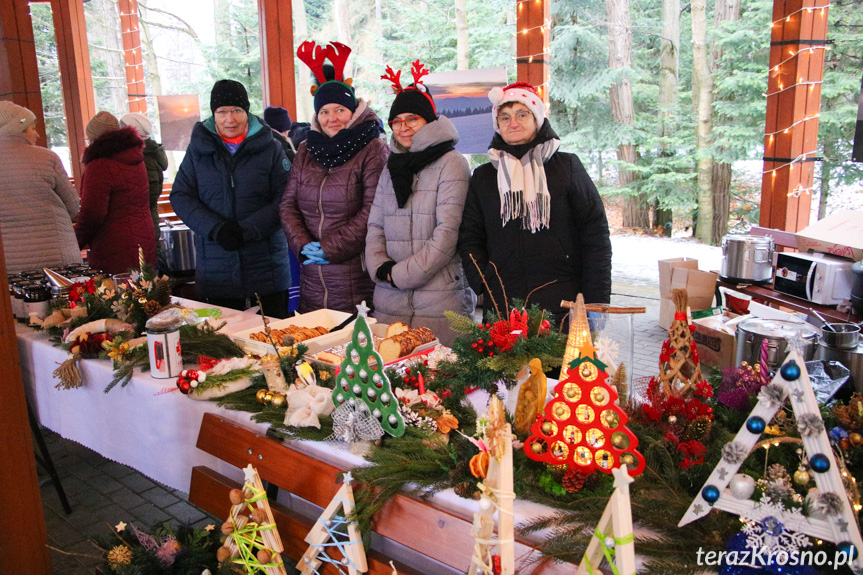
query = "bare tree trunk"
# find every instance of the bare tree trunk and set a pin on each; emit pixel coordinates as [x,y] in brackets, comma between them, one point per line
[635,211]
[724,10]
[703,98]
[342,11]
[305,104]
[154,82]
[826,171]
[669,64]
[108,41]
[222,10]
[461,37]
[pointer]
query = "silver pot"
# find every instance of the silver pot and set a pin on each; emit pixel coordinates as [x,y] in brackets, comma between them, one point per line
[178,245]
[747,259]
[840,335]
[850,358]
[778,333]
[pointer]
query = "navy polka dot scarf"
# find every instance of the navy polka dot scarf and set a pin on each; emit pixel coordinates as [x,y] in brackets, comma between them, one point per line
[335,151]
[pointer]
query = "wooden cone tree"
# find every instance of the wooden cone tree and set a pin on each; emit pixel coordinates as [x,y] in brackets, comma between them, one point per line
[679,366]
[583,426]
[613,539]
[579,332]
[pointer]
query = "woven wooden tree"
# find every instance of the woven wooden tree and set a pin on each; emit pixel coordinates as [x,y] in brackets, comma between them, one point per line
[253,540]
[583,426]
[679,367]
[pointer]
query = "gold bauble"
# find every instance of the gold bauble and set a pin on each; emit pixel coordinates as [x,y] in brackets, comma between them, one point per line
[536,447]
[279,400]
[546,427]
[628,459]
[856,438]
[268,397]
[260,395]
[619,441]
[801,477]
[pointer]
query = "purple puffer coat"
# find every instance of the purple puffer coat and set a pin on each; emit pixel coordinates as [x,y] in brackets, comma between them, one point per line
[331,206]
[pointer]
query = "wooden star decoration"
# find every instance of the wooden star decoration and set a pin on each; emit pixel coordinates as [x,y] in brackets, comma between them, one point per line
[347,478]
[249,472]
[622,478]
[121,526]
[209,527]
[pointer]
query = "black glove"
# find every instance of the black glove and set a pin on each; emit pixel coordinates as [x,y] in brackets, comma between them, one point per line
[384,273]
[230,236]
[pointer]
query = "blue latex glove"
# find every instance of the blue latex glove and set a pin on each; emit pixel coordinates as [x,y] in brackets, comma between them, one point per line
[313,250]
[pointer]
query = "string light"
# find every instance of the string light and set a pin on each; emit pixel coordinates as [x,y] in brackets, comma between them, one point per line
[785,130]
[787,18]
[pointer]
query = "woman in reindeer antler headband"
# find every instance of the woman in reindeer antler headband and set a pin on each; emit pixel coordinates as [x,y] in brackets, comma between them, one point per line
[534,212]
[413,225]
[331,186]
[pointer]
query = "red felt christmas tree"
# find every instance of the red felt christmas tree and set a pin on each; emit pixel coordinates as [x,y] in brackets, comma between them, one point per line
[582,426]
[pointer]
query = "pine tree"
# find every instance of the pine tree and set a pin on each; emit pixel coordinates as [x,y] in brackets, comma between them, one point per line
[359,380]
[582,425]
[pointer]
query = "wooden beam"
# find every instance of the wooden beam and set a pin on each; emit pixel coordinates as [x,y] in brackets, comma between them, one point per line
[798,42]
[533,32]
[19,69]
[416,524]
[133,56]
[24,548]
[277,54]
[79,100]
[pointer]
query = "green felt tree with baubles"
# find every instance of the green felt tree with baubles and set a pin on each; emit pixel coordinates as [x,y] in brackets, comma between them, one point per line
[361,382]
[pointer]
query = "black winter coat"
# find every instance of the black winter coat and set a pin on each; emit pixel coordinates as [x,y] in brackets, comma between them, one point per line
[574,251]
[214,187]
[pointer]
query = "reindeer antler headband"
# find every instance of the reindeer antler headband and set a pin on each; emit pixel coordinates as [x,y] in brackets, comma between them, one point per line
[418,70]
[314,57]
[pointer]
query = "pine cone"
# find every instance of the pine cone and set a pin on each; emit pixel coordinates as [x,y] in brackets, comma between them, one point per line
[699,429]
[151,308]
[778,473]
[573,480]
[467,490]
[591,482]
[162,291]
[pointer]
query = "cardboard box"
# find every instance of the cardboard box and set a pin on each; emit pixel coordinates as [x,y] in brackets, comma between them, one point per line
[683,273]
[716,348]
[839,234]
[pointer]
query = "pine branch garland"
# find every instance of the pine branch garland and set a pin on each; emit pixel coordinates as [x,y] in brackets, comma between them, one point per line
[460,323]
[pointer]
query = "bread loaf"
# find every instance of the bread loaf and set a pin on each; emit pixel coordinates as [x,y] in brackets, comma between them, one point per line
[396,328]
[404,343]
[298,333]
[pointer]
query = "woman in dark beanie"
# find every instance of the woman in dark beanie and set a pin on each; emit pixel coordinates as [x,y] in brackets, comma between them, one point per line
[413,226]
[228,191]
[115,198]
[332,184]
[533,212]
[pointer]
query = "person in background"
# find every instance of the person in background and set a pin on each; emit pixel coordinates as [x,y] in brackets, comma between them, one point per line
[326,206]
[115,218]
[279,120]
[37,203]
[414,221]
[534,213]
[155,160]
[228,191]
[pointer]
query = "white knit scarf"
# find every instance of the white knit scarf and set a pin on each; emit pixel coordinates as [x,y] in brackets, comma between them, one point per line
[523,186]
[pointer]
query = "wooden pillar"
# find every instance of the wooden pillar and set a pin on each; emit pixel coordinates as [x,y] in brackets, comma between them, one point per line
[277,54]
[132,55]
[23,535]
[797,45]
[533,31]
[19,70]
[79,100]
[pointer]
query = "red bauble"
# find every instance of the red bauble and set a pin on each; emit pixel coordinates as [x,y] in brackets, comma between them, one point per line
[184,385]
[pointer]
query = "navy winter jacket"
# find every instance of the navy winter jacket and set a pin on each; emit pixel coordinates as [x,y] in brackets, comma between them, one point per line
[212,188]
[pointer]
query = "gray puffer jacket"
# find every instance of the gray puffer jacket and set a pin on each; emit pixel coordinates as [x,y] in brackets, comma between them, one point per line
[421,238]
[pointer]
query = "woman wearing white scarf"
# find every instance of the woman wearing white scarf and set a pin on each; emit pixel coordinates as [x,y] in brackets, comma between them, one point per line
[533,212]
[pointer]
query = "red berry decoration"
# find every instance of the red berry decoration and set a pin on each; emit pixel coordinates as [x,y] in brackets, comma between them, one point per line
[487,326]
[479,341]
[479,325]
[491,354]
[481,350]
[474,345]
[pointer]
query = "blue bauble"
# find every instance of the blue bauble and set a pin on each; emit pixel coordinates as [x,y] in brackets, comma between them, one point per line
[790,371]
[819,463]
[847,548]
[710,493]
[755,425]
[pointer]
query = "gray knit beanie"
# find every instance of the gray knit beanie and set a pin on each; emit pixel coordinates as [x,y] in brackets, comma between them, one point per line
[14,119]
[139,121]
[101,124]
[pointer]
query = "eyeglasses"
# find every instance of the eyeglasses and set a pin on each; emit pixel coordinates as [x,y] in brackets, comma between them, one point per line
[410,122]
[232,112]
[520,117]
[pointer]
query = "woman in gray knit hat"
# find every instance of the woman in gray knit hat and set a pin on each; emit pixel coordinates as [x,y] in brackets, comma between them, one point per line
[37,203]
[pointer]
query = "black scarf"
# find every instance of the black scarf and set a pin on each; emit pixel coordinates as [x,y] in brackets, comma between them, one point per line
[336,151]
[402,168]
[544,134]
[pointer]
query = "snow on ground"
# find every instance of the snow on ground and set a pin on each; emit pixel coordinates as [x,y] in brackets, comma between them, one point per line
[634,258]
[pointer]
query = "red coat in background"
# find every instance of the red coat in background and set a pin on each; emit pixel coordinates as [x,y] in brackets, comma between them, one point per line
[115,204]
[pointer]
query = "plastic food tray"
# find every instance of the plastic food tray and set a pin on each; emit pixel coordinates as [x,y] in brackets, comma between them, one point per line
[323,317]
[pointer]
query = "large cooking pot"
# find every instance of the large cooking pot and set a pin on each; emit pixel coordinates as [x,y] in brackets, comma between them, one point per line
[850,358]
[178,245]
[778,333]
[747,259]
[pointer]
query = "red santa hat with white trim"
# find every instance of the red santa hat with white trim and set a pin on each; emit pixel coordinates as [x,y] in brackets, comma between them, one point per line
[520,92]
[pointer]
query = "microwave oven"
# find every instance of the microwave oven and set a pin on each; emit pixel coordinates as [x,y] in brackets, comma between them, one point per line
[819,278]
